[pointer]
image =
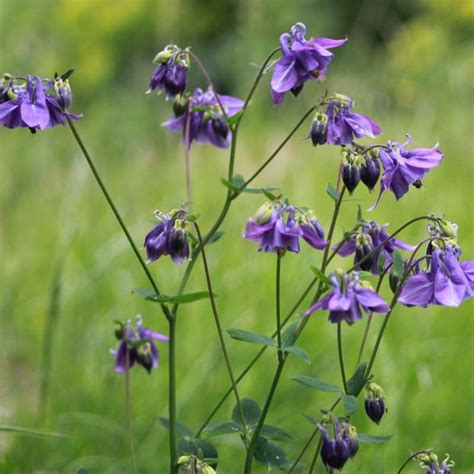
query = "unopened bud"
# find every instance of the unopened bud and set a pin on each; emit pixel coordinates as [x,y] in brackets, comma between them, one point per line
[319,129]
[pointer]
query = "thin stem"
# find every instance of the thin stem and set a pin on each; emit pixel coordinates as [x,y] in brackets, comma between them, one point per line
[315,457]
[413,456]
[277,303]
[278,149]
[305,447]
[219,327]
[172,397]
[187,164]
[116,213]
[341,357]
[128,402]
[266,407]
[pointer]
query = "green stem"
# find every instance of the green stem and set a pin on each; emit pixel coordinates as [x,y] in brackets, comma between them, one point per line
[172,397]
[315,457]
[413,456]
[266,407]
[341,357]
[277,303]
[128,402]
[219,328]
[116,213]
[305,447]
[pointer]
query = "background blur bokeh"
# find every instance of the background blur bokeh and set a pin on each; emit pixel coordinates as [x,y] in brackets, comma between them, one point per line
[409,64]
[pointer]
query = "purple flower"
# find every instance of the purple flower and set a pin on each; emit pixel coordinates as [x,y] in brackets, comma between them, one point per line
[344,125]
[448,281]
[137,346]
[202,119]
[171,74]
[28,106]
[336,451]
[302,60]
[168,237]
[347,297]
[277,227]
[365,240]
[375,402]
[430,462]
[405,167]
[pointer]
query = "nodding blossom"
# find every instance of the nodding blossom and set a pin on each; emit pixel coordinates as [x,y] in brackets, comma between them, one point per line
[335,451]
[303,60]
[375,402]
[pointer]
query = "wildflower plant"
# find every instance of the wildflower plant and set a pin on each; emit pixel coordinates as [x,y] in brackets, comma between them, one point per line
[429,272]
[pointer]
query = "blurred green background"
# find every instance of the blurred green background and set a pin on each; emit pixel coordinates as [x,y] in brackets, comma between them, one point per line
[408,64]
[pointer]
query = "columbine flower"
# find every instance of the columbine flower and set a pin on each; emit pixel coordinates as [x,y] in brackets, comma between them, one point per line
[137,346]
[448,281]
[168,237]
[336,451]
[370,169]
[26,104]
[277,226]
[171,74]
[191,464]
[202,119]
[347,297]
[365,240]
[302,60]
[405,167]
[430,462]
[375,402]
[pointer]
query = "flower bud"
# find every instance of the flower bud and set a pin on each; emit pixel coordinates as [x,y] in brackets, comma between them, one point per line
[319,129]
[145,357]
[370,170]
[374,402]
[119,330]
[264,213]
[63,93]
[180,104]
[364,246]
[350,176]
[220,127]
[394,281]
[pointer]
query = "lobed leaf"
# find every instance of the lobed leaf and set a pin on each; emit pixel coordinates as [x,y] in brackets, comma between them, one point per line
[317,384]
[253,338]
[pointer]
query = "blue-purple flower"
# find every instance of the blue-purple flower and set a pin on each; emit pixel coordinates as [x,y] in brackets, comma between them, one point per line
[402,168]
[303,60]
[277,227]
[136,346]
[168,237]
[365,240]
[339,125]
[171,74]
[25,104]
[335,451]
[375,402]
[448,281]
[201,118]
[347,299]
[430,462]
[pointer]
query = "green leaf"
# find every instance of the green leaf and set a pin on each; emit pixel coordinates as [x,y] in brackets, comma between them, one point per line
[67,74]
[250,410]
[369,439]
[270,455]
[238,180]
[316,384]
[298,352]
[269,194]
[31,432]
[312,420]
[247,336]
[202,448]
[217,236]
[192,217]
[331,190]
[288,337]
[235,119]
[351,404]
[398,266]
[230,185]
[320,275]
[363,275]
[360,218]
[258,190]
[179,299]
[381,262]
[181,430]
[218,429]
[356,383]
[275,433]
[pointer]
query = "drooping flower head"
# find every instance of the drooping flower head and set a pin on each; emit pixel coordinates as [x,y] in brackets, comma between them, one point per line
[446,281]
[303,60]
[402,168]
[430,462]
[26,104]
[366,239]
[168,237]
[171,74]
[201,118]
[277,227]
[374,402]
[348,297]
[335,451]
[136,346]
[191,464]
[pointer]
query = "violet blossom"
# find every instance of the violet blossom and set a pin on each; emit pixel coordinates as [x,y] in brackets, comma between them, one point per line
[344,445]
[347,298]
[302,60]
[201,118]
[430,462]
[375,402]
[137,346]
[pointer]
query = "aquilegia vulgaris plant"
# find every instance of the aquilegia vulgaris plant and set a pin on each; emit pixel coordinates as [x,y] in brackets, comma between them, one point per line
[430,272]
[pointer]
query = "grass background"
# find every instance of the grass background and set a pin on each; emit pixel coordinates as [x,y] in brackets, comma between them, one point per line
[407,64]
